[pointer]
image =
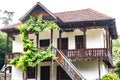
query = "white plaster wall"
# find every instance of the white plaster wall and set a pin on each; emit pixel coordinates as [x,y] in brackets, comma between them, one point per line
[16,73]
[89,69]
[69,35]
[94,38]
[17,44]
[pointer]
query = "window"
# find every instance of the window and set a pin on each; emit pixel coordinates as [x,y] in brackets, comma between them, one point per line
[79,41]
[31,72]
[44,43]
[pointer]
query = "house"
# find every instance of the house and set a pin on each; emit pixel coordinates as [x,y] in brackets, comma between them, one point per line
[83,45]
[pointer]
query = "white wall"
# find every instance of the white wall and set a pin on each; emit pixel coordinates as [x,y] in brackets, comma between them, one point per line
[17,44]
[17,74]
[94,38]
[89,69]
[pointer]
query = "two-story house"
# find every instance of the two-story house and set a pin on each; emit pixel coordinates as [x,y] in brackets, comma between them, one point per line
[83,45]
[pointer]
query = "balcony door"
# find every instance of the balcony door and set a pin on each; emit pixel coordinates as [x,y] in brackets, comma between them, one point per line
[79,42]
[64,43]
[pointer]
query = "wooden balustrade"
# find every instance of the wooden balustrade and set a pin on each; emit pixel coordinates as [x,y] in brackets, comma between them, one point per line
[12,55]
[92,53]
[81,54]
[69,68]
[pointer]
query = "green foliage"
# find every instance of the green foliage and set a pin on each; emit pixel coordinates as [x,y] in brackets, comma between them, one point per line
[110,77]
[32,55]
[116,49]
[7,17]
[118,68]
[3,47]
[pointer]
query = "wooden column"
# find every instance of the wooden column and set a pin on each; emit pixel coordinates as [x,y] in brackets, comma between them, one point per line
[110,44]
[6,53]
[107,36]
[52,63]
[37,45]
[60,40]
[99,72]
[84,34]
[24,72]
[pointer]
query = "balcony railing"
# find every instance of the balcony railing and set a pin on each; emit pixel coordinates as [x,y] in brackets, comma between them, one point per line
[12,55]
[88,54]
[81,54]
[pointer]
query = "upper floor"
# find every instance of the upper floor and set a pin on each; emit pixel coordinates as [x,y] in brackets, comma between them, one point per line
[83,35]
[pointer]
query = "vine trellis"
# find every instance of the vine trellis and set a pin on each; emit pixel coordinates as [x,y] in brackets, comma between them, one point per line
[33,55]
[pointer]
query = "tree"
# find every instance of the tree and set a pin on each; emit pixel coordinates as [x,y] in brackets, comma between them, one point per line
[116,55]
[3,47]
[5,17]
[116,49]
[110,77]
[117,71]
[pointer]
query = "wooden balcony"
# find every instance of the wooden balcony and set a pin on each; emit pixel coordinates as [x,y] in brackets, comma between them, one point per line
[12,55]
[89,54]
[82,54]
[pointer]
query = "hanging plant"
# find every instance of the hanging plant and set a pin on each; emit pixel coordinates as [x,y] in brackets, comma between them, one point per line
[33,55]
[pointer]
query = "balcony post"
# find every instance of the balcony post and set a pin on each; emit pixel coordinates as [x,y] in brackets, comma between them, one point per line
[99,72]
[52,63]
[107,36]
[60,41]
[84,34]
[37,45]
[6,53]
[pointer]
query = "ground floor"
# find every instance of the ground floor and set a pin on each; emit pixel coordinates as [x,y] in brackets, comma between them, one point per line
[88,69]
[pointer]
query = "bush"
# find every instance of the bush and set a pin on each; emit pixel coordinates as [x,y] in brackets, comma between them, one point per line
[110,77]
[118,68]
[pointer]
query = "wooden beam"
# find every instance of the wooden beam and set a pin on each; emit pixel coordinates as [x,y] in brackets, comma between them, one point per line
[99,72]
[6,52]
[52,63]
[60,40]
[84,34]
[107,36]
[37,45]
[51,38]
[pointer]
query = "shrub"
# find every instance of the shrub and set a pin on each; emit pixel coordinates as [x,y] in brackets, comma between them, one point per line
[117,71]
[110,77]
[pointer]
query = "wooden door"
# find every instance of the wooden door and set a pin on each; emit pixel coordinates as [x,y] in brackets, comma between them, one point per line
[64,43]
[45,73]
[61,74]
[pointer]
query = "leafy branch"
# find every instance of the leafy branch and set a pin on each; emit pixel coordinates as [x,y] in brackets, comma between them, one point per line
[33,55]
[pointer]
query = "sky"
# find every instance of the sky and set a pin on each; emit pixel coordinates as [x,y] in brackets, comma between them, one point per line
[20,7]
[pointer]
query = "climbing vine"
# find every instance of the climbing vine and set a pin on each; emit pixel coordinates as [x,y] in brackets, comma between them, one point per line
[33,55]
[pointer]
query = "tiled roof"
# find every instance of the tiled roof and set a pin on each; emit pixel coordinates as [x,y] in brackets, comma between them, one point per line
[74,16]
[11,26]
[82,15]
